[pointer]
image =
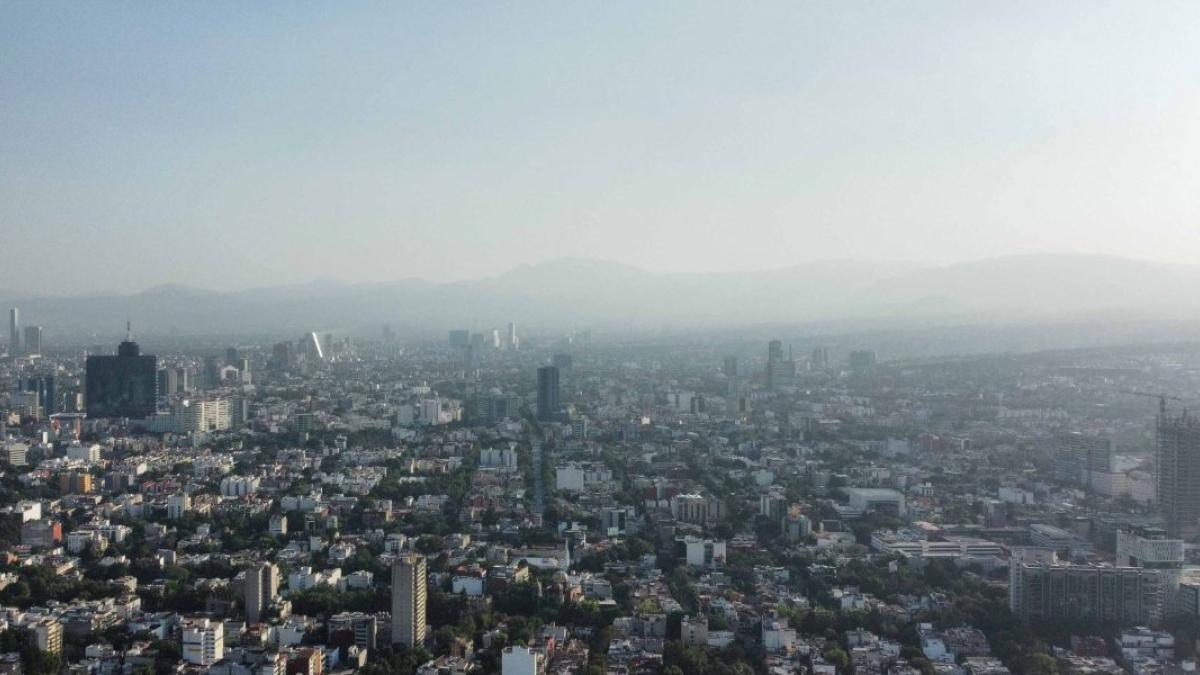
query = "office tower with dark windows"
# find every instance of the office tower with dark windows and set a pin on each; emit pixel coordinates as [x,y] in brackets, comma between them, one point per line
[262,588]
[1177,472]
[774,351]
[32,346]
[47,395]
[729,367]
[124,385]
[862,361]
[408,601]
[459,339]
[283,356]
[548,397]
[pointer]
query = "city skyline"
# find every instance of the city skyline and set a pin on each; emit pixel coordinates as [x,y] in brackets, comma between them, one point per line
[617,338]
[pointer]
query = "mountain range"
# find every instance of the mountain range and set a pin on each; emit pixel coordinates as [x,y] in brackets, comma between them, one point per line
[579,293]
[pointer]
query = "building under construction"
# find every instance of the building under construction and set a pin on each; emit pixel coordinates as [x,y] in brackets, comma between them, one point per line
[1178,472]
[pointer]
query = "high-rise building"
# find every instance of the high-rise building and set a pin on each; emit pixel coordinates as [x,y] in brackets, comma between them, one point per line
[211,373]
[168,381]
[203,641]
[781,372]
[1128,596]
[460,339]
[48,635]
[173,380]
[33,341]
[513,341]
[408,600]
[729,367]
[125,385]
[863,361]
[75,483]
[775,350]
[548,396]
[1151,548]
[819,359]
[1077,456]
[283,356]
[312,346]
[364,627]
[47,395]
[14,332]
[1177,472]
[178,505]
[262,588]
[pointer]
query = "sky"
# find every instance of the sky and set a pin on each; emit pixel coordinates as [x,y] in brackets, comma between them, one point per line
[236,144]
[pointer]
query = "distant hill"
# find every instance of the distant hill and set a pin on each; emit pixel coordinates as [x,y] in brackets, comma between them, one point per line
[574,293]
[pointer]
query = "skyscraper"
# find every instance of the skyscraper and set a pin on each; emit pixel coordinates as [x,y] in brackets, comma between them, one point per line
[43,386]
[125,385]
[408,600]
[730,366]
[262,587]
[33,341]
[774,351]
[863,360]
[1077,456]
[819,360]
[312,344]
[14,332]
[514,342]
[548,400]
[781,372]
[1177,472]
[460,339]
[173,380]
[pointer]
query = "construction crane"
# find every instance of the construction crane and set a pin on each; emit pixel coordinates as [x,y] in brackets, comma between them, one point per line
[1162,398]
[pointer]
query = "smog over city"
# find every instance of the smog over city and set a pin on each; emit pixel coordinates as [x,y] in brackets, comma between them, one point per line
[579,338]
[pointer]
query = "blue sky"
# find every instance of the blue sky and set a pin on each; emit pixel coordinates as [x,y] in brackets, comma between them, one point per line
[238,144]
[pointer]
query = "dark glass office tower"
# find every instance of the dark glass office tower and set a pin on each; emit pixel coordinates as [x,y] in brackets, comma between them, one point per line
[548,402]
[46,393]
[125,385]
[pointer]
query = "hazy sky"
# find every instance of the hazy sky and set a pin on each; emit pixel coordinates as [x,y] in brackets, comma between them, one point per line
[245,143]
